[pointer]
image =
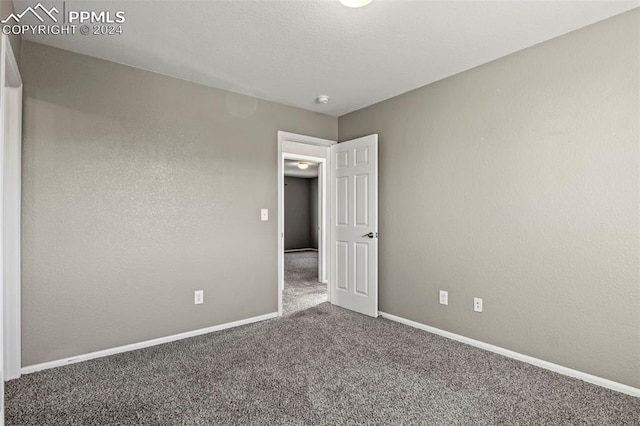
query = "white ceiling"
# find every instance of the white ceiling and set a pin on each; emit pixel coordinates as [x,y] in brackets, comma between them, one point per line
[292,51]
[291,169]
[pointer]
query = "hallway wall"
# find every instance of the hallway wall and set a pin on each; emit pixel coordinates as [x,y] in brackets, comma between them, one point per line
[300,219]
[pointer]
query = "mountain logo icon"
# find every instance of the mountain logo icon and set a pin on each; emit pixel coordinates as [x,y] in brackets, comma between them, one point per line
[34,11]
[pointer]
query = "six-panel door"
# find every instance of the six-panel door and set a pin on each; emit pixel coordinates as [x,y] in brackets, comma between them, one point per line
[355,225]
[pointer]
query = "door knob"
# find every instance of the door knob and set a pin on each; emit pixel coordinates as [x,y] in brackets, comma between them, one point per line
[370,235]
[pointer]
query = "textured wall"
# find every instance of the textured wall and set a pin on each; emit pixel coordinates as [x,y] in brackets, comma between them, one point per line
[518,182]
[297,213]
[138,190]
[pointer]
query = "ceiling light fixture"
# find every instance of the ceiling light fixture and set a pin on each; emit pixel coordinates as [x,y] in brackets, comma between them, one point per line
[303,166]
[355,3]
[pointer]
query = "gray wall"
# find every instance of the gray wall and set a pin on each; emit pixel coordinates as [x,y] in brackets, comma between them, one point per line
[297,216]
[138,190]
[517,182]
[6,8]
[300,213]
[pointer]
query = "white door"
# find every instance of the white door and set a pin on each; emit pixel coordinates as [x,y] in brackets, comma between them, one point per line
[354,225]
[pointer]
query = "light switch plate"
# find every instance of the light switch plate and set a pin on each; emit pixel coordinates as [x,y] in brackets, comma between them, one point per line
[264,214]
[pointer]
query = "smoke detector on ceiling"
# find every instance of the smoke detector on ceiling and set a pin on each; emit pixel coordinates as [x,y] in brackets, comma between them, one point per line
[355,3]
[323,99]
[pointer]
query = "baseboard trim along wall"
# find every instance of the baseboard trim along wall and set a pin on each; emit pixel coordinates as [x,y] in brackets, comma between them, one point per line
[145,344]
[301,249]
[606,383]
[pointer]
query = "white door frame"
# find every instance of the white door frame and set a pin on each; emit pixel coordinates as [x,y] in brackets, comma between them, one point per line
[10,184]
[309,140]
[10,198]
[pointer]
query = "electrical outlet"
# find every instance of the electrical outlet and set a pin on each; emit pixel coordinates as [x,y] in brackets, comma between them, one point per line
[444,297]
[477,304]
[198,297]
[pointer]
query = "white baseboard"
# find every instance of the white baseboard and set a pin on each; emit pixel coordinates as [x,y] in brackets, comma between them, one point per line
[606,383]
[145,344]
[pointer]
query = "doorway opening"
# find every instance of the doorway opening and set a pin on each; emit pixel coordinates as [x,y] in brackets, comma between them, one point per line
[303,280]
[303,260]
[348,181]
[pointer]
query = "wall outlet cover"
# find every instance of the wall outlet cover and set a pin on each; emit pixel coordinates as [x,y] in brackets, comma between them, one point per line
[198,297]
[477,304]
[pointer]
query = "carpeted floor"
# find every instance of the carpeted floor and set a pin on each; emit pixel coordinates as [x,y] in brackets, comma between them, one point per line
[301,287]
[324,365]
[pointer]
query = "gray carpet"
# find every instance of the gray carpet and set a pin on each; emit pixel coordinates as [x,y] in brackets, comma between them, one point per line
[323,365]
[301,287]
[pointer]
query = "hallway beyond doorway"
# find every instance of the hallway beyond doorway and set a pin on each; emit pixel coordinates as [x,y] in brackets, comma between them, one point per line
[301,287]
